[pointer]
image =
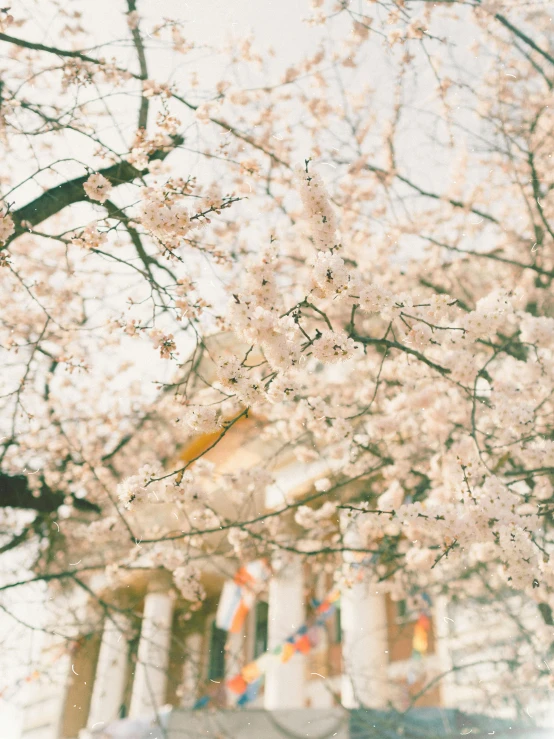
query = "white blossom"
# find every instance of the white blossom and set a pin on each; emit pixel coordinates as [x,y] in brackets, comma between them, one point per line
[97,187]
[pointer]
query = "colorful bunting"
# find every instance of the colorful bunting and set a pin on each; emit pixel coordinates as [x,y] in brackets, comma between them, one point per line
[302,644]
[327,603]
[253,574]
[237,684]
[313,636]
[250,694]
[241,613]
[238,595]
[229,605]
[247,683]
[251,672]
[288,651]
[264,660]
[302,641]
[421,634]
[420,643]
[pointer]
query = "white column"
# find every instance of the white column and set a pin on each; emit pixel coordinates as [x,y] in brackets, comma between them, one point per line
[149,685]
[443,626]
[111,671]
[364,632]
[317,687]
[285,682]
[192,669]
[234,658]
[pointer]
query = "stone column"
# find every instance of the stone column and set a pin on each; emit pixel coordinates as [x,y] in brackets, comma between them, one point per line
[234,658]
[192,669]
[149,685]
[111,671]
[443,627]
[285,682]
[364,631]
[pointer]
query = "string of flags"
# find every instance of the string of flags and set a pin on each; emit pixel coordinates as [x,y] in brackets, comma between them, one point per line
[302,640]
[237,598]
[420,641]
[246,683]
[238,595]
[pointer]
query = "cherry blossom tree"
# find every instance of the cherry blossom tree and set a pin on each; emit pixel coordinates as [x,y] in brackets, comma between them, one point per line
[353,254]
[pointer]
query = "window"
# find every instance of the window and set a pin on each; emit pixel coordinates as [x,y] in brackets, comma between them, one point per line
[216,655]
[405,614]
[260,629]
[401,610]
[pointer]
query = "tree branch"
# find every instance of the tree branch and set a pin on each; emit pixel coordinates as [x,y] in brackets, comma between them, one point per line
[433,195]
[139,46]
[53,50]
[59,197]
[402,347]
[529,41]
[15,493]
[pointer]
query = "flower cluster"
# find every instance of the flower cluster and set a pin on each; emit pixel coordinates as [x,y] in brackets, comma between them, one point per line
[332,346]
[90,238]
[202,419]
[97,187]
[318,210]
[136,487]
[330,275]
[164,215]
[164,342]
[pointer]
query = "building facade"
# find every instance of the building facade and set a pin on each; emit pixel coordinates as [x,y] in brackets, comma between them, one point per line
[138,671]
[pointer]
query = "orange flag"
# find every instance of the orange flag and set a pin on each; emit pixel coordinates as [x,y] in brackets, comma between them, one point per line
[302,644]
[421,631]
[237,684]
[251,672]
[288,651]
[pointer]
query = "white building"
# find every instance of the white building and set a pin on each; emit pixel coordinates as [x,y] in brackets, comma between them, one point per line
[363,659]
